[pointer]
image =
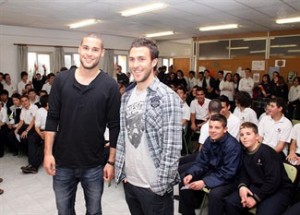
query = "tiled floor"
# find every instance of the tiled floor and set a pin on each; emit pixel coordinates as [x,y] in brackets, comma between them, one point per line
[32,194]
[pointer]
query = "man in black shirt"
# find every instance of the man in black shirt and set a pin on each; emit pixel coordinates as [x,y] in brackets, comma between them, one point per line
[82,103]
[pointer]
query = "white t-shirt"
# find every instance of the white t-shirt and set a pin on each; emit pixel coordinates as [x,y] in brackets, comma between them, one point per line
[21,86]
[201,111]
[28,114]
[294,93]
[275,131]
[139,167]
[47,87]
[227,89]
[295,135]
[233,125]
[246,84]
[11,89]
[186,113]
[3,115]
[247,115]
[40,118]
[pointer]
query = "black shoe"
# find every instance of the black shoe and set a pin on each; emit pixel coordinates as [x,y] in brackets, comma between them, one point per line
[1,179]
[176,197]
[25,167]
[1,191]
[30,170]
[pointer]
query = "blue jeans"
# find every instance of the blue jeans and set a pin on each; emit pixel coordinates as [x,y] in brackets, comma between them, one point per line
[65,186]
[142,201]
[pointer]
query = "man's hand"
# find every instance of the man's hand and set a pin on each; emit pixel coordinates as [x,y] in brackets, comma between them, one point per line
[244,195]
[187,179]
[49,164]
[108,172]
[197,185]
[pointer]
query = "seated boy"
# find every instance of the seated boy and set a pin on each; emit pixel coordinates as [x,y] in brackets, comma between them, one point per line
[215,167]
[263,181]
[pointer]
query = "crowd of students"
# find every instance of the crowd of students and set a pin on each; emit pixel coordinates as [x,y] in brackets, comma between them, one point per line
[239,175]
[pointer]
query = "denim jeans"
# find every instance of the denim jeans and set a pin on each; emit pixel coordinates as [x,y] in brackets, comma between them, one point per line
[142,201]
[65,186]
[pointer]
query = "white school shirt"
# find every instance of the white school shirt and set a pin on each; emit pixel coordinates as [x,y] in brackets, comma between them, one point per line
[21,86]
[246,84]
[294,93]
[28,114]
[247,115]
[3,115]
[40,118]
[275,131]
[11,89]
[295,135]
[47,87]
[201,111]
[227,89]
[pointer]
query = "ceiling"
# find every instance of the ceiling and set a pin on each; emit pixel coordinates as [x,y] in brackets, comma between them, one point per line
[184,17]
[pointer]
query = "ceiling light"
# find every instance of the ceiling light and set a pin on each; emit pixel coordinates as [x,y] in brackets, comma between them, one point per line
[288,20]
[257,51]
[293,50]
[143,9]
[219,27]
[84,23]
[238,48]
[160,34]
[284,46]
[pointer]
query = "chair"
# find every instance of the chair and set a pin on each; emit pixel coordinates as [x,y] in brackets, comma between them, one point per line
[292,174]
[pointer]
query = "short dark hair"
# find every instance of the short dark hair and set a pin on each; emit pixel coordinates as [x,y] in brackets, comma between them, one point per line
[249,125]
[243,98]
[16,95]
[4,92]
[32,90]
[23,73]
[181,88]
[280,102]
[225,99]
[220,118]
[93,35]
[24,96]
[145,42]
[44,100]
[200,89]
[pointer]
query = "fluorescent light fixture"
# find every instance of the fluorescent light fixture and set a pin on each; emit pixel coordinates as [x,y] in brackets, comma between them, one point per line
[293,50]
[218,27]
[143,9]
[284,46]
[255,38]
[288,20]
[257,51]
[84,23]
[208,41]
[160,34]
[238,48]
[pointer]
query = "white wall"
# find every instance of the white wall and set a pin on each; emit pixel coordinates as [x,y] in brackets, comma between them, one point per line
[14,34]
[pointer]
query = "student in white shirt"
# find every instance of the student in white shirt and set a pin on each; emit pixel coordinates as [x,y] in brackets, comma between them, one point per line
[3,128]
[181,91]
[47,86]
[247,83]
[227,87]
[294,152]
[243,111]
[274,129]
[25,126]
[23,82]
[8,85]
[36,140]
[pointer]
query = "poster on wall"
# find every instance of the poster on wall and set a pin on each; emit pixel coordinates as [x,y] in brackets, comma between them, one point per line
[201,68]
[280,63]
[258,65]
[256,77]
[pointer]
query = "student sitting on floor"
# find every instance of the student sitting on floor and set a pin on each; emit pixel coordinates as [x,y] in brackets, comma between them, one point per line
[263,181]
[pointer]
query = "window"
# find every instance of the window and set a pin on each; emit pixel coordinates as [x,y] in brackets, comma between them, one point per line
[122,61]
[40,60]
[213,50]
[167,62]
[72,59]
[247,47]
[285,46]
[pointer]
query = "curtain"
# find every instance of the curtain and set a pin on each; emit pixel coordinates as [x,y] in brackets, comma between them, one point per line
[59,59]
[107,64]
[22,52]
